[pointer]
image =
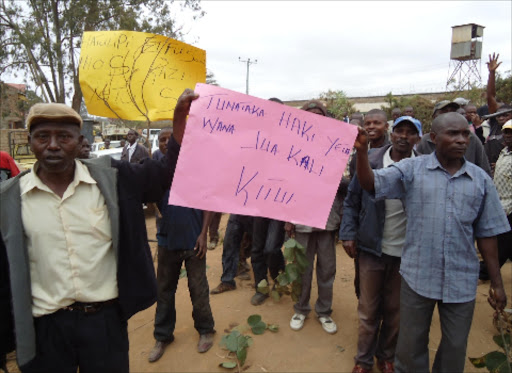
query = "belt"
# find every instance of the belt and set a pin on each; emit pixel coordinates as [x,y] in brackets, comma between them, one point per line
[89,307]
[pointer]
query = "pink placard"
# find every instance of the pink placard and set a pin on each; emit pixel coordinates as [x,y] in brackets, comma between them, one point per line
[245,155]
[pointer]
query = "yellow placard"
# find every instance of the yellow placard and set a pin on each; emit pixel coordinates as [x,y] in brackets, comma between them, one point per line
[135,75]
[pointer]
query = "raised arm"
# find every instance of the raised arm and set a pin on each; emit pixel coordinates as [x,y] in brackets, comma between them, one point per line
[181,112]
[363,169]
[492,65]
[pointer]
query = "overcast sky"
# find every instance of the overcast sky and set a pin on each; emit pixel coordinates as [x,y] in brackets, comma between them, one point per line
[364,48]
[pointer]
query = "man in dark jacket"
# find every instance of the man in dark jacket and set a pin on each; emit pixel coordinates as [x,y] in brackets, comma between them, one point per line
[133,152]
[375,230]
[76,278]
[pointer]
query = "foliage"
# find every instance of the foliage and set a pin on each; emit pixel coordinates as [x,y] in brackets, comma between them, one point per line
[237,343]
[337,103]
[497,361]
[422,108]
[210,78]
[289,281]
[41,38]
[504,88]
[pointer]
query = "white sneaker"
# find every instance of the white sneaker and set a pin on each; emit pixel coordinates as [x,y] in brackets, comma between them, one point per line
[328,324]
[297,321]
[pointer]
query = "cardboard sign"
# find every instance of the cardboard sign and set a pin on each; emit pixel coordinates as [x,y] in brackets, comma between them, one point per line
[244,155]
[135,75]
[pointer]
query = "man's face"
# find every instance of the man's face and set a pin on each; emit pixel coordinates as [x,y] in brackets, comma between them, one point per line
[131,136]
[376,126]
[395,114]
[452,139]
[470,113]
[85,149]
[55,145]
[503,118]
[409,111]
[507,137]
[163,139]
[107,144]
[404,137]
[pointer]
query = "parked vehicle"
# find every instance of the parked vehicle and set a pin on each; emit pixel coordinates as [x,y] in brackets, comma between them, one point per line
[153,132]
[114,153]
[95,146]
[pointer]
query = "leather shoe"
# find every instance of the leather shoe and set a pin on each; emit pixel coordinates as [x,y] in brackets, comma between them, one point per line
[258,298]
[205,342]
[386,366]
[157,351]
[359,369]
[222,287]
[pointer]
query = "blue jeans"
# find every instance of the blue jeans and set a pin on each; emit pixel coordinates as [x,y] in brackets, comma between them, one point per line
[237,225]
[169,266]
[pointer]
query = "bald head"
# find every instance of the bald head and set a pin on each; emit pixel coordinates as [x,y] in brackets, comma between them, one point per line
[441,122]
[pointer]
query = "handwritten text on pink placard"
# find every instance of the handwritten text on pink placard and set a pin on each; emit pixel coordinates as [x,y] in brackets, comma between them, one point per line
[249,156]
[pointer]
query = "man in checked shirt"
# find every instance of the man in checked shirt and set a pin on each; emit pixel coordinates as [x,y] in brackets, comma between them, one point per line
[449,203]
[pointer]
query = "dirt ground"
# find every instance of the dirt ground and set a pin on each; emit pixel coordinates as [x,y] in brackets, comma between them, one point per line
[308,350]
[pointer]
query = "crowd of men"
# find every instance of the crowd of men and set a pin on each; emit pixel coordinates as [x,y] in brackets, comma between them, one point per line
[76,264]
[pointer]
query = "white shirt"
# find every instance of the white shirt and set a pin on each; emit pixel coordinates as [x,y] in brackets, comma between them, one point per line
[395,223]
[131,150]
[69,243]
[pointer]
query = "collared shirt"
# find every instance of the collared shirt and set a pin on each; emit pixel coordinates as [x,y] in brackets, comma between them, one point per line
[131,150]
[444,215]
[503,179]
[69,242]
[395,223]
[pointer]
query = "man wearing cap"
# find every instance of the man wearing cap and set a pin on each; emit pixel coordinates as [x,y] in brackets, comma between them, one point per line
[503,182]
[475,152]
[449,204]
[375,231]
[76,278]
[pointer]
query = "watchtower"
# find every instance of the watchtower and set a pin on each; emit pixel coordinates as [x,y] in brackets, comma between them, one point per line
[465,55]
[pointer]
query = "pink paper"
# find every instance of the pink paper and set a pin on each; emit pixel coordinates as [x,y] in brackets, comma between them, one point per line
[249,156]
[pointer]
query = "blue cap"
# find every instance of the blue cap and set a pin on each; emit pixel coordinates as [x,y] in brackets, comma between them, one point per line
[406,118]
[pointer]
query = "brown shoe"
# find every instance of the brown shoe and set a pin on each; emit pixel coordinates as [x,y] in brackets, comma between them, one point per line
[359,369]
[157,351]
[386,366]
[222,287]
[205,342]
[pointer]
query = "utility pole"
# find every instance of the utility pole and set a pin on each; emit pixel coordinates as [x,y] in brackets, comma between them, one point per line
[249,62]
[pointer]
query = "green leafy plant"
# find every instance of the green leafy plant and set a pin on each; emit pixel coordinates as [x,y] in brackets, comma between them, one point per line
[237,343]
[497,361]
[289,281]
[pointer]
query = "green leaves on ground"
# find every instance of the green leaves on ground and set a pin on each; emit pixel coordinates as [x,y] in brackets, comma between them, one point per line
[237,343]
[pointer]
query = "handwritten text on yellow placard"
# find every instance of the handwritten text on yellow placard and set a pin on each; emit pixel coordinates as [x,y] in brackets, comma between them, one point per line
[135,75]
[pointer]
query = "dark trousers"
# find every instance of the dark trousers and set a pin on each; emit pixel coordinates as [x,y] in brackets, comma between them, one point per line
[237,225]
[415,319]
[504,251]
[168,273]
[378,308]
[70,340]
[266,254]
[213,228]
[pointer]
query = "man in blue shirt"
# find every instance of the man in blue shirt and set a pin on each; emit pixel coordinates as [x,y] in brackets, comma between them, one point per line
[181,235]
[449,203]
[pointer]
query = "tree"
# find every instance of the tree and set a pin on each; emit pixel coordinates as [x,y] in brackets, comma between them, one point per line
[210,78]
[337,103]
[504,88]
[41,38]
